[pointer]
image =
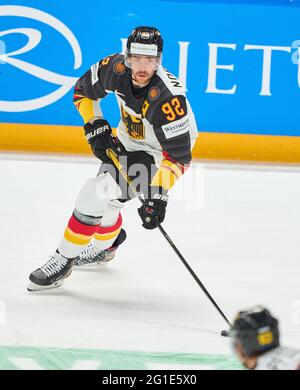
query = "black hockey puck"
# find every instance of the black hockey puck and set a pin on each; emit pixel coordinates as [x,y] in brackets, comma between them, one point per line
[224,333]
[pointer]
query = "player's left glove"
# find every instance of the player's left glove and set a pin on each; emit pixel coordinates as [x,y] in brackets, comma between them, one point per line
[153,210]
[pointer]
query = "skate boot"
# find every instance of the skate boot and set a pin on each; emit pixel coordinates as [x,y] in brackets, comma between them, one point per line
[90,256]
[51,274]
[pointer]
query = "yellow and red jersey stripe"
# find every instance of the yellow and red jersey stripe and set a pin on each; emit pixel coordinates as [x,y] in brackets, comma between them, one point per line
[86,107]
[168,173]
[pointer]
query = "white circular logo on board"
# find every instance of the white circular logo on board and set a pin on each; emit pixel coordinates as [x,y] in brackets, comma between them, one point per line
[34,37]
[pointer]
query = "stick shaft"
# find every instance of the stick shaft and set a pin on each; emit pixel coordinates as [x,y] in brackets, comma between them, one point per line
[113,156]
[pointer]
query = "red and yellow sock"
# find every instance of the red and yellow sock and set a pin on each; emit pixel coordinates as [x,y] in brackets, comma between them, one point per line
[77,235]
[106,235]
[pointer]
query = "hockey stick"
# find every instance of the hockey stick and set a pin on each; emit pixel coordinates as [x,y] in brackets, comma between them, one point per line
[114,157]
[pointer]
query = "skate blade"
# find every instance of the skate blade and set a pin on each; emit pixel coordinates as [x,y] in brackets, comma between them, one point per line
[36,287]
[91,265]
[96,264]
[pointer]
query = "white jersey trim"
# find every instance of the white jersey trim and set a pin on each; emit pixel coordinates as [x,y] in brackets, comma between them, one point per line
[171,82]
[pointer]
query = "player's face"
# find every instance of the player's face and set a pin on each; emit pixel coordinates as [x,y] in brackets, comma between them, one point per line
[143,68]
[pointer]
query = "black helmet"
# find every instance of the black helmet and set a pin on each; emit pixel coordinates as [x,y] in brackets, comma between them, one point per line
[145,41]
[256,330]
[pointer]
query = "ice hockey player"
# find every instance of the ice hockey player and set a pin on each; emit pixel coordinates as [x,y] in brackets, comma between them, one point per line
[255,336]
[156,133]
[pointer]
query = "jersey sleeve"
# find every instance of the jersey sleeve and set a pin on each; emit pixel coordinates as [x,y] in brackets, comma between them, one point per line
[93,86]
[171,126]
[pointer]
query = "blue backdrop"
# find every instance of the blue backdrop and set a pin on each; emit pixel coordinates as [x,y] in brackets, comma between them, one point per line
[239,62]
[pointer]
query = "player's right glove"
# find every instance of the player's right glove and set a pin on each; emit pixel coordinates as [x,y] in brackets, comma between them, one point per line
[99,136]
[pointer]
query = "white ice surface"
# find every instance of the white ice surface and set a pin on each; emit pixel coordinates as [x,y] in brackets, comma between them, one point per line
[240,235]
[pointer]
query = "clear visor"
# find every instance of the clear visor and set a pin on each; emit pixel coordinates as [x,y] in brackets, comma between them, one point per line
[137,61]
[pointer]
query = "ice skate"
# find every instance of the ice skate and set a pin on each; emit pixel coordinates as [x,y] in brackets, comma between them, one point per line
[90,256]
[51,274]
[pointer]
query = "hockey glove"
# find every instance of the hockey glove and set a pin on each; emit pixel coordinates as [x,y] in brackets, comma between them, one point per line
[153,210]
[99,136]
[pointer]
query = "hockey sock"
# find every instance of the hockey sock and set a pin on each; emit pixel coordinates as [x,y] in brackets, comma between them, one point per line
[106,235]
[77,235]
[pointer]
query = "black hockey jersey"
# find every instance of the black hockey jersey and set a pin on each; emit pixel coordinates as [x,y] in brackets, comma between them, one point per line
[159,121]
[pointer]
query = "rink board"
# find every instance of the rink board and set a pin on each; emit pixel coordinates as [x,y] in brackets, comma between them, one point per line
[216,146]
